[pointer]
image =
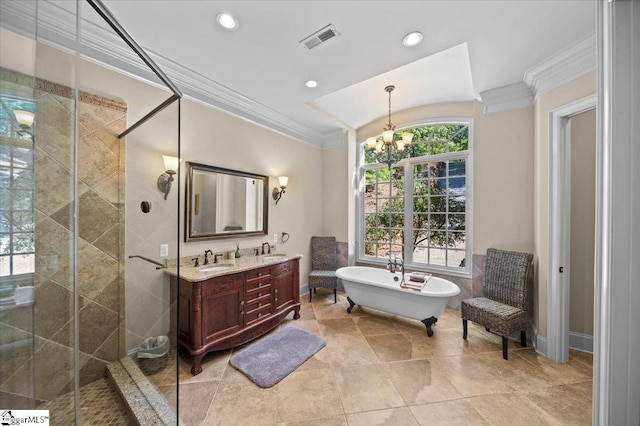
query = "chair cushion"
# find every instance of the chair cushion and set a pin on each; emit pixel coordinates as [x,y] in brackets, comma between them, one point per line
[500,318]
[325,279]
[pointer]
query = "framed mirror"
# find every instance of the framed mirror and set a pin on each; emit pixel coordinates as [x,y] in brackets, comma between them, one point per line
[223,203]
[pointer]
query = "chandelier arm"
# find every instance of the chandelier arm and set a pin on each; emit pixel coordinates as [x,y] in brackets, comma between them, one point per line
[390,110]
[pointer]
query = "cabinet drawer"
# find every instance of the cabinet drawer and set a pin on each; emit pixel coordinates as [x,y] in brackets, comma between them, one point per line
[258,274]
[258,284]
[281,268]
[259,302]
[216,285]
[258,314]
[258,292]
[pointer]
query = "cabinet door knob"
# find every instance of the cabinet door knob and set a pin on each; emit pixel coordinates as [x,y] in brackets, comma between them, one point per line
[241,302]
[259,304]
[260,314]
[259,294]
[241,312]
[259,284]
[276,290]
[276,299]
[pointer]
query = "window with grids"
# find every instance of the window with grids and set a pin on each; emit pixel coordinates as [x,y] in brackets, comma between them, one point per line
[418,210]
[16,191]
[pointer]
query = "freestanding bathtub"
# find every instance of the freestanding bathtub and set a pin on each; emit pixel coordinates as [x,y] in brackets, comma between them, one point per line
[379,289]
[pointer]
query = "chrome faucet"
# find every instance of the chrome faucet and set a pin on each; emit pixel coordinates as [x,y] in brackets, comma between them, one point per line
[206,258]
[215,257]
[394,264]
[268,247]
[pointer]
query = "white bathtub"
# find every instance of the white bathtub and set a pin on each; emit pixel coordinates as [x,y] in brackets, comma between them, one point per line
[380,289]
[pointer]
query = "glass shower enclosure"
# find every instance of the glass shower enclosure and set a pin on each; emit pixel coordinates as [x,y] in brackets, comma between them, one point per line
[86,223]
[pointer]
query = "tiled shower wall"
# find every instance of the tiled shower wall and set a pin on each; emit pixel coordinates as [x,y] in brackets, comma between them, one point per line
[101,166]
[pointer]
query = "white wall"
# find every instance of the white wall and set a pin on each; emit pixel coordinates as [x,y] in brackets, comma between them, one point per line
[337,188]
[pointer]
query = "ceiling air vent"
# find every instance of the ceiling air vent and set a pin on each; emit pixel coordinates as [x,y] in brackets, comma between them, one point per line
[319,37]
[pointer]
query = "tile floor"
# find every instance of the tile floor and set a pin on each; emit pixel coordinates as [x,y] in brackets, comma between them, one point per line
[100,404]
[381,369]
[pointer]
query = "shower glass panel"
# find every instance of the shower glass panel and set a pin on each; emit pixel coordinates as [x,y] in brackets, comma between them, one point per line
[18,204]
[72,299]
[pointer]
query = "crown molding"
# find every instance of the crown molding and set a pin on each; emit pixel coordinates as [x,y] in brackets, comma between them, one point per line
[56,27]
[507,98]
[577,59]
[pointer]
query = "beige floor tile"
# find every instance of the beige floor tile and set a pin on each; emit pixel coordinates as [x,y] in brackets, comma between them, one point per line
[194,401]
[516,371]
[231,374]
[564,403]
[510,409]
[327,421]
[335,328]
[304,395]
[408,325]
[584,388]
[583,358]
[419,383]
[306,312]
[365,388]
[371,325]
[556,373]
[447,413]
[213,366]
[308,325]
[450,319]
[390,347]
[378,368]
[471,376]
[345,352]
[242,404]
[391,417]
[324,307]
[438,345]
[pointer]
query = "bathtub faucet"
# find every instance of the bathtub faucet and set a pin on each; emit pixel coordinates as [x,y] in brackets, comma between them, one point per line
[394,264]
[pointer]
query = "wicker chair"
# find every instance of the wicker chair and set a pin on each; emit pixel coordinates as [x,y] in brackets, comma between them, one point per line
[324,263]
[507,301]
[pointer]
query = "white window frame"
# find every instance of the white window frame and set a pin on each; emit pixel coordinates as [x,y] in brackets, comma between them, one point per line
[15,142]
[408,164]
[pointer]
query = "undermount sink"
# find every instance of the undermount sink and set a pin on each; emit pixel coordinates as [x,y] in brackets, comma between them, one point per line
[215,268]
[273,256]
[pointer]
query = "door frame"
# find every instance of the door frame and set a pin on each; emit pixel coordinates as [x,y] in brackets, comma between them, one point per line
[560,225]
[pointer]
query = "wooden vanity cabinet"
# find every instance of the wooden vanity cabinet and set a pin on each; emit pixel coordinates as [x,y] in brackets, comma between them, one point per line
[227,311]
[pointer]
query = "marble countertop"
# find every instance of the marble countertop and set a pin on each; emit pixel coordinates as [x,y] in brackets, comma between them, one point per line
[229,266]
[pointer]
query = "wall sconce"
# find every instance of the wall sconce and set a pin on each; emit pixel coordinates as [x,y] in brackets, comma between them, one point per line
[165,179]
[277,193]
[25,120]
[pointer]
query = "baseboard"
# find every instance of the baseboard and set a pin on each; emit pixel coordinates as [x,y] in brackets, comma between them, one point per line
[539,342]
[581,342]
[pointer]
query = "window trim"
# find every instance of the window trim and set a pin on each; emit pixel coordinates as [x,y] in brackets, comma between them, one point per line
[408,164]
[15,142]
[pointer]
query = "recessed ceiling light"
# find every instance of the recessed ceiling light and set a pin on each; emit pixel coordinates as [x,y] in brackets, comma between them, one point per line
[311,84]
[227,21]
[412,38]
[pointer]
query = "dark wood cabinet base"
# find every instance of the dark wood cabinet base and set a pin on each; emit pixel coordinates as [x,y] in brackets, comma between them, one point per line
[230,310]
[246,335]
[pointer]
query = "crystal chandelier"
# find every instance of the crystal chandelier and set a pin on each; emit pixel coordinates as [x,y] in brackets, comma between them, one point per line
[389,151]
